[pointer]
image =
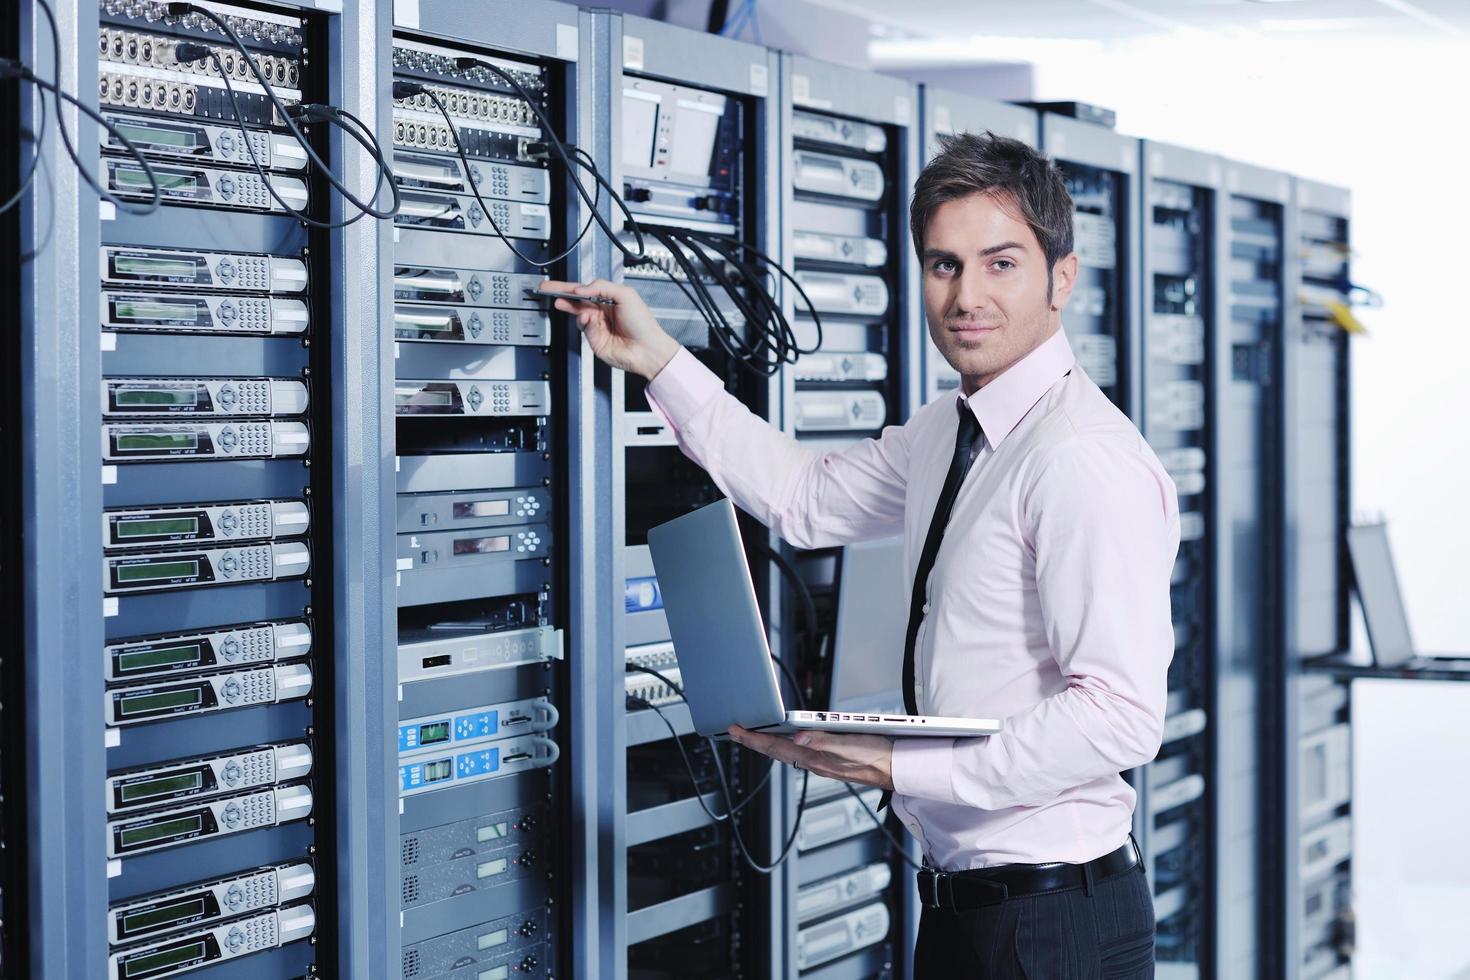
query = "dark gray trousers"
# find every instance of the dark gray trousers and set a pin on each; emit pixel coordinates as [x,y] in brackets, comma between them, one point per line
[1070,935]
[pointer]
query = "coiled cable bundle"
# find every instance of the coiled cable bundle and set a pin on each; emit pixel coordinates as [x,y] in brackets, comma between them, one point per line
[705,262]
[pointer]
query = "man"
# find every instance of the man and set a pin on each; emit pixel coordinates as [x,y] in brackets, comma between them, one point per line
[1040,535]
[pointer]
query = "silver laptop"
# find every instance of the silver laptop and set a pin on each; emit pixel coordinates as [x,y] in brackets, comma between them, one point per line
[867,641]
[720,640]
[1377,583]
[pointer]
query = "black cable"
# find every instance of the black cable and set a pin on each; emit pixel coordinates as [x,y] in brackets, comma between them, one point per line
[296,213]
[181,9]
[785,851]
[13,70]
[60,96]
[679,691]
[726,793]
[894,843]
[404,90]
[464,64]
[721,243]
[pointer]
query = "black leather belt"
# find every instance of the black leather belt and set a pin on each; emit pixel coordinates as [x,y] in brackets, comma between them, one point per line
[992,886]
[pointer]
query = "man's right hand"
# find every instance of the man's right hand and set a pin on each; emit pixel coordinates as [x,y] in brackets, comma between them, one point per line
[626,336]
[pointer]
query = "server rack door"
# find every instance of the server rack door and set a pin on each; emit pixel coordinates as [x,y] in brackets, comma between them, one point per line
[693,133]
[1181,406]
[1313,814]
[1250,298]
[237,404]
[850,154]
[491,407]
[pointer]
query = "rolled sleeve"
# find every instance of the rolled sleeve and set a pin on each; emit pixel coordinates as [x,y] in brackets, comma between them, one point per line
[922,768]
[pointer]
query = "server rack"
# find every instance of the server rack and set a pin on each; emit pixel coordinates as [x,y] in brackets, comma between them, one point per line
[1251,300]
[173,315]
[1101,170]
[1175,820]
[490,404]
[850,153]
[947,113]
[681,900]
[1311,819]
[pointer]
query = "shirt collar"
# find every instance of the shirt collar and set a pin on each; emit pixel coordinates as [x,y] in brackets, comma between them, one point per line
[1000,405]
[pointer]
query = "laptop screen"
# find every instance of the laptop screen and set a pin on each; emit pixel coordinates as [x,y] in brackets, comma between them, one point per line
[1378,591]
[872,614]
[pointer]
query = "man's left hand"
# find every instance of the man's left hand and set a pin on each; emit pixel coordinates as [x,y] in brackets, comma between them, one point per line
[865,759]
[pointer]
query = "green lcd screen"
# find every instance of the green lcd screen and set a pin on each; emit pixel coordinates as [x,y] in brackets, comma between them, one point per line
[154,527]
[143,703]
[438,771]
[137,442]
[131,177]
[490,869]
[434,733]
[148,833]
[147,789]
[421,321]
[424,397]
[156,267]
[145,397]
[184,910]
[149,311]
[490,940]
[132,660]
[155,571]
[495,973]
[139,966]
[158,136]
[494,831]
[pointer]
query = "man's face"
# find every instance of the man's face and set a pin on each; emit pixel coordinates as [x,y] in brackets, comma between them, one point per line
[985,286]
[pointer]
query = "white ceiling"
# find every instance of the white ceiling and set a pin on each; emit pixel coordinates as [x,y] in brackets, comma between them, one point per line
[1123,20]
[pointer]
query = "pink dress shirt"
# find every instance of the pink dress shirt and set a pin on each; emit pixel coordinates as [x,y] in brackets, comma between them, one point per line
[1048,605]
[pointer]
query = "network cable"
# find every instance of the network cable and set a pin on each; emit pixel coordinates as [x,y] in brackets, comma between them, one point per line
[893,842]
[188,51]
[731,808]
[747,276]
[775,342]
[560,148]
[311,113]
[9,70]
[407,90]
[12,68]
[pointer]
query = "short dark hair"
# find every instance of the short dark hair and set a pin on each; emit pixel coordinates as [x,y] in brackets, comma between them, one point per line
[984,163]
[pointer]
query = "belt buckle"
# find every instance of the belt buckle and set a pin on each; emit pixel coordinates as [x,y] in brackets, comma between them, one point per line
[934,878]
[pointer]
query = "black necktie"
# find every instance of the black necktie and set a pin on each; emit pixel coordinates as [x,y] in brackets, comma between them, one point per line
[959,465]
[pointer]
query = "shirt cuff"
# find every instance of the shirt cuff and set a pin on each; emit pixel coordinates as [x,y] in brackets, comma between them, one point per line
[682,388]
[923,768]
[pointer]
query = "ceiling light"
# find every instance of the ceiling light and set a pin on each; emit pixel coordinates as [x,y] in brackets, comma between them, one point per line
[1288,25]
[976,49]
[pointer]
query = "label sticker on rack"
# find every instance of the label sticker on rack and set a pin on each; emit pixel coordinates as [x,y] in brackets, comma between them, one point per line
[632,52]
[759,80]
[566,42]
